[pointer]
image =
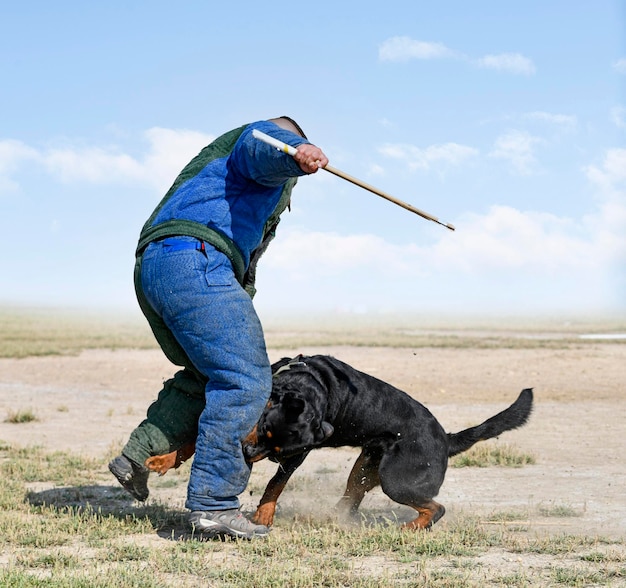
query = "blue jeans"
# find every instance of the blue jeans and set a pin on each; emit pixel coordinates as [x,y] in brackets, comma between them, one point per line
[212,317]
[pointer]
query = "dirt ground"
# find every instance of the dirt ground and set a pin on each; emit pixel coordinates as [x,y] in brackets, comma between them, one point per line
[89,404]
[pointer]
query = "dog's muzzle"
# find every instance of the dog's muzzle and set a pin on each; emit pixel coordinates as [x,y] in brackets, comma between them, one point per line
[253,453]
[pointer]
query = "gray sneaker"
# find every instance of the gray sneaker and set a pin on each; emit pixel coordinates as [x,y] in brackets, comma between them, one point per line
[219,523]
[132,476]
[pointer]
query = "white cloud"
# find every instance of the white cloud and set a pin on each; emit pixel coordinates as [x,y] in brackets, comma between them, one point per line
[609,223]
[508,62]
[507,239]
[416,158]
[506,258]
[618,116]
[557,119]
[92,164]
[12,155]
[169,150]
[376,170]
[307,254]
[620,65]
[610,176]
[609,181]
[516,147]
[405,49]
[503,239]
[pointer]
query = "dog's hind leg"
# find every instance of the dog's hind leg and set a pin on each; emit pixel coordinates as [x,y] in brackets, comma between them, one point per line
[412,475]
[362,478]
[429,513]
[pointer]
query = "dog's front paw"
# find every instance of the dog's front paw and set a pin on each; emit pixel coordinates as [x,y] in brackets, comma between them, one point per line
[264,514]
[346,510]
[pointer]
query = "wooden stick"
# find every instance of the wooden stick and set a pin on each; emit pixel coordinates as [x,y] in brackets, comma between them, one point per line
[365,186]
[292,151]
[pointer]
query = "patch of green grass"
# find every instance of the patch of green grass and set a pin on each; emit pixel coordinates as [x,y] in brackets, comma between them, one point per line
[559,511]
[33,464]
[127,552]
[487,454]
[21,416]
[514,580]
[557,544]
[605,557]
[579,577]
[54,559]
[507,516]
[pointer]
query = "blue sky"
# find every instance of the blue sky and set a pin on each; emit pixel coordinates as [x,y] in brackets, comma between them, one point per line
[506,119]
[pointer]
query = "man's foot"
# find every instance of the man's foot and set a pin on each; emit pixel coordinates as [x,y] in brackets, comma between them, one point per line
[132,476]
[232,523]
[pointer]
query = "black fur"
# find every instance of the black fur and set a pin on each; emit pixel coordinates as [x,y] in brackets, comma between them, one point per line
[320,401]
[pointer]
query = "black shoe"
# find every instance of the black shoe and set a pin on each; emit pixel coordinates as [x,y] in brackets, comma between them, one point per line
[132,476]
[231,522]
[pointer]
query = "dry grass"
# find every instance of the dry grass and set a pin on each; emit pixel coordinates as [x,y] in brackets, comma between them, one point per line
[79,531]
[32,332]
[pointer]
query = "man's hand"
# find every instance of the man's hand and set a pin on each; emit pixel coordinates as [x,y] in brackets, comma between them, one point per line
[310,158]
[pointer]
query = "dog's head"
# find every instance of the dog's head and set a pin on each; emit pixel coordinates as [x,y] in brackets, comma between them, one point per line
[292,421]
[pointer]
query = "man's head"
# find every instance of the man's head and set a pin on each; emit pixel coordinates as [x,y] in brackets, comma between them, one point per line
[284,122]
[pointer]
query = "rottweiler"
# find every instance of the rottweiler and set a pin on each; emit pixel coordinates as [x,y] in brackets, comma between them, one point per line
[319,401]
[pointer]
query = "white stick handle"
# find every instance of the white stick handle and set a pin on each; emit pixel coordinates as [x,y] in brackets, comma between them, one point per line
[274,142]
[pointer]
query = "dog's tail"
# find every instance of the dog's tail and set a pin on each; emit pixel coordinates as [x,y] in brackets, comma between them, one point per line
[511,418]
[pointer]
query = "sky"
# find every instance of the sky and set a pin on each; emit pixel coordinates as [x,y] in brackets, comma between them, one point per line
[505,119]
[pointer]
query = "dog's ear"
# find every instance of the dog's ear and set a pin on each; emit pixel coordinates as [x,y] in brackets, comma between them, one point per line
[324,432]
[293,405]
[283,361]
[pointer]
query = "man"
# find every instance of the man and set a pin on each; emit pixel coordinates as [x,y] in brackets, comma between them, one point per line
[196,263]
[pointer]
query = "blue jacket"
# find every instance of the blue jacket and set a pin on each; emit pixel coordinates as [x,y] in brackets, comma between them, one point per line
[236,194]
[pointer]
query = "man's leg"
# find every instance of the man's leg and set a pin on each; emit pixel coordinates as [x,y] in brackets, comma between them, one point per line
[213,319]
[171,422]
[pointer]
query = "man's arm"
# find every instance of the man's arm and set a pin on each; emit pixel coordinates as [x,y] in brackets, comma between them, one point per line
[258,161]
